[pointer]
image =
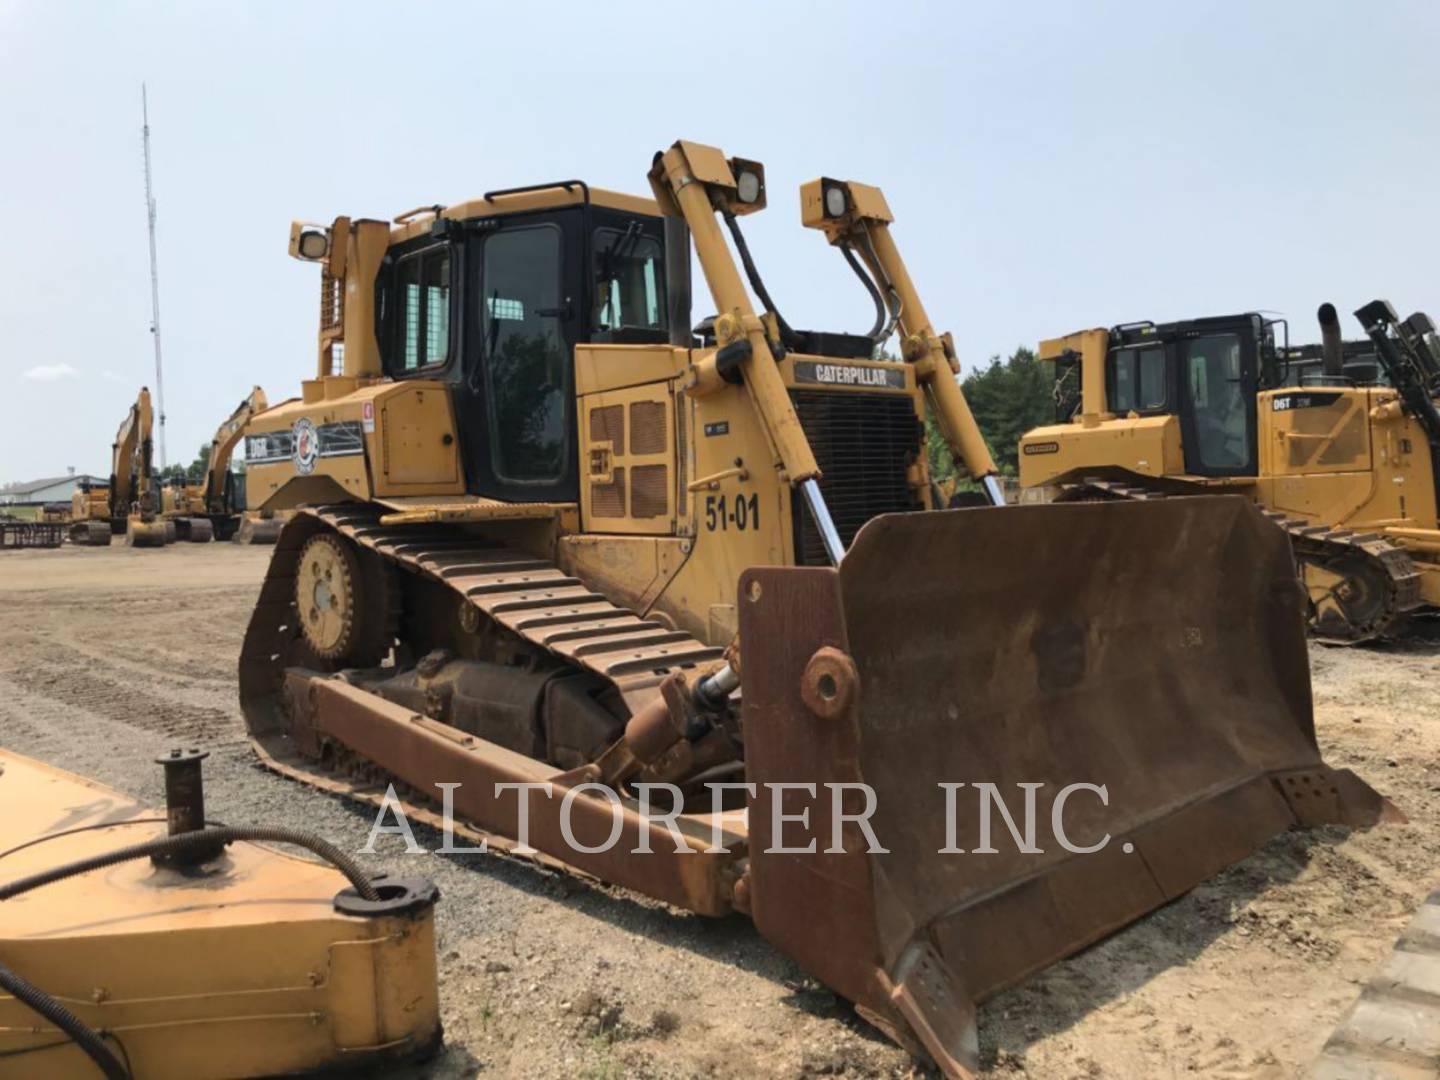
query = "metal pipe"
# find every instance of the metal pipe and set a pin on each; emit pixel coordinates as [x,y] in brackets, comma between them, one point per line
[829,536]
[677,281]
[184,790]
[994,490]
[714,689]
[1331,347]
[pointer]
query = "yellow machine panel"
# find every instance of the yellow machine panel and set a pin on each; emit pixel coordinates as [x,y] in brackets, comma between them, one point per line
[239,964]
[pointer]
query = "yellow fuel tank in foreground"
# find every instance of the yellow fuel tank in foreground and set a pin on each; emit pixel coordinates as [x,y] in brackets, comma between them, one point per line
[241,966]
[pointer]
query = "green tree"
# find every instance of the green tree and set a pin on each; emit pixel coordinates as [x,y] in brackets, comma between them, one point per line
[1008,398]
[194,473]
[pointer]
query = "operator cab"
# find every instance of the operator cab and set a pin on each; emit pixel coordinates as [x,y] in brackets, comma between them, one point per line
[494,304]
[1206,372]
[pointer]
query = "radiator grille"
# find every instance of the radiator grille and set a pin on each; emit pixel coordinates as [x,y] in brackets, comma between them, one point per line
[864,444]
[649,486]
[608,500]
[648,434]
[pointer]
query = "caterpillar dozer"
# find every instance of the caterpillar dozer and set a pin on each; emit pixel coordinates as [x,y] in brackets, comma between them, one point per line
[1338,444]
[214,507]
[553,550]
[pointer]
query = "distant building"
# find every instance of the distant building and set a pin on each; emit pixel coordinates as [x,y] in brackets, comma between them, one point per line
[53,489]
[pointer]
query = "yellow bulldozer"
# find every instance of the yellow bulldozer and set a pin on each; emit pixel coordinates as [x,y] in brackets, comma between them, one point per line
[1339,444]
[214,508]
[669,607]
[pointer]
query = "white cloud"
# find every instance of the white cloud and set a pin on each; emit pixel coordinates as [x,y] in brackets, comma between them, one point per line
[50,373]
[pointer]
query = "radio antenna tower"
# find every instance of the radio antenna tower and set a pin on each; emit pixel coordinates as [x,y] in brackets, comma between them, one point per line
[154,271]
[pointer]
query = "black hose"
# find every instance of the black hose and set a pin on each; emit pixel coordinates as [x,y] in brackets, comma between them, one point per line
[880,310]
[200,839]
[52,1009]
[788,337]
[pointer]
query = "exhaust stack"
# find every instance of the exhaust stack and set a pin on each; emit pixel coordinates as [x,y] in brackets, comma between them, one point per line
[1331,349]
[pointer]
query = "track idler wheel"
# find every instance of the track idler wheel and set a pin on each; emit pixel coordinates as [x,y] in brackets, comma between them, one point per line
[344,602]
[1349,598]
[90,533]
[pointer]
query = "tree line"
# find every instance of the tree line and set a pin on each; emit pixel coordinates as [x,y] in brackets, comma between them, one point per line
[1008,397]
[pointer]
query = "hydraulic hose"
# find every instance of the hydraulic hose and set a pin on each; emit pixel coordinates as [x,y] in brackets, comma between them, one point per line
[200,839]
[880,311]
[787,335]
[53,1010]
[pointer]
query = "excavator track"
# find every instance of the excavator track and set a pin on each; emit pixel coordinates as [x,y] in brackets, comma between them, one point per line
[1390,566]
[530,597]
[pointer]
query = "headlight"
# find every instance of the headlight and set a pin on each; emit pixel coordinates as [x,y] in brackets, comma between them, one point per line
[747,187]
[314,244]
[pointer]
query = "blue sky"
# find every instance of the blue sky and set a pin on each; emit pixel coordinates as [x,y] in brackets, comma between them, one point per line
[1051,165]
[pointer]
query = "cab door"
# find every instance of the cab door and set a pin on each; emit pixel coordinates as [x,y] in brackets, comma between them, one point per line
[516,401]
[1218,383]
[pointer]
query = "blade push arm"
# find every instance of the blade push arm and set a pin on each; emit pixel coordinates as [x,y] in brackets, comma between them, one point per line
[692,182]
[855,217]
[222,448]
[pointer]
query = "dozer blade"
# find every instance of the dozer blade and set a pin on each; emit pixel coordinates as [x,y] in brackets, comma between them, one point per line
[1156,651]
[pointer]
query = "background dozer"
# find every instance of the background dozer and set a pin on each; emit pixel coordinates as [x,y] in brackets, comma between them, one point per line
[1338,443]
[219,500]
[546,534]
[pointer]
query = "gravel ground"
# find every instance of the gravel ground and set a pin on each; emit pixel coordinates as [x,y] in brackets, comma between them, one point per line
[109,657]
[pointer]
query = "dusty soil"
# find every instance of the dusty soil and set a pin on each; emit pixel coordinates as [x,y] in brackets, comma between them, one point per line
[108,657]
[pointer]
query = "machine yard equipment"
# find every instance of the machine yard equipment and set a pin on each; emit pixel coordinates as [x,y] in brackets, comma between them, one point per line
[545,534]
[217,500]
[145,946]
[16,534]
[1339,445]
[134,504]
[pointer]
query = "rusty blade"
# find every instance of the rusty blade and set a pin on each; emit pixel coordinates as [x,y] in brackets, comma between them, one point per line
[1154,650]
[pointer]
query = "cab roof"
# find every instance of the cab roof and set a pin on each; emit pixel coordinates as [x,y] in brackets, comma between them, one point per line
[549,196]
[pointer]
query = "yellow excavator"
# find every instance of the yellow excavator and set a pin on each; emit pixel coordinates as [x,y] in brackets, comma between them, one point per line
[558,561]
[132,503]
[214,507]
[1338,444]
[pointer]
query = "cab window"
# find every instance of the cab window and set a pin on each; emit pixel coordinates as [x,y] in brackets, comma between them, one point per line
[629,280]
[1137,380]
[422,301]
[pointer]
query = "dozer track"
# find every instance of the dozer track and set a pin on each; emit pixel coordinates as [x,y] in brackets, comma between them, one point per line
[533,598]
[1390,567]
